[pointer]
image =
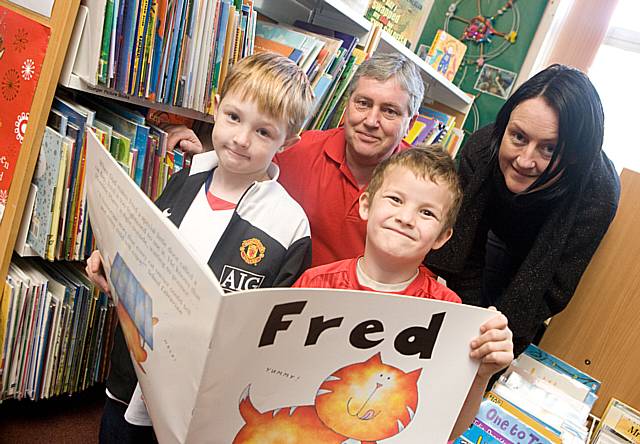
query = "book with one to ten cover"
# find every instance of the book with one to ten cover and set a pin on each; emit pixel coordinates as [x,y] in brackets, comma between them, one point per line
[216,367]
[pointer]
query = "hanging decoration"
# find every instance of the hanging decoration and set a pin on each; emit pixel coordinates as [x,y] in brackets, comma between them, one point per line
[484,40]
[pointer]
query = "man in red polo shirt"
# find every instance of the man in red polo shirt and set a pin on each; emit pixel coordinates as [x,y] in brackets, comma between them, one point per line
[326,171]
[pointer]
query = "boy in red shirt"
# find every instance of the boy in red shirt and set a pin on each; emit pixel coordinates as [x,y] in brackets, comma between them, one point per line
[410,206]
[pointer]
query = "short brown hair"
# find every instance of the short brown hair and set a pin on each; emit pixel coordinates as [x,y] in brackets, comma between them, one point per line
[279,87]
[429,161]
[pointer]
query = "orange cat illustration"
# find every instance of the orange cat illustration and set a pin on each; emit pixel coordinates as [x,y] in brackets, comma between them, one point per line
[362,402]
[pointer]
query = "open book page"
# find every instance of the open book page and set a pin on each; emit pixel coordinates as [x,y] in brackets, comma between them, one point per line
[360,361]
[311,366]
[166,301]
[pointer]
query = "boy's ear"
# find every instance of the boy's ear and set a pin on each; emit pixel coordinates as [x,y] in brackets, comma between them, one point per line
[364,206]
[290,141]
[443,238]
[216,104]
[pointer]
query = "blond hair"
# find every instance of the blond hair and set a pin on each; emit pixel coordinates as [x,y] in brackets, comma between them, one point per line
[277,85]
[430,161]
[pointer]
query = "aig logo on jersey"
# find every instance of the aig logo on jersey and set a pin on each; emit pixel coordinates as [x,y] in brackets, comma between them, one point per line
[237,279]
[252,251]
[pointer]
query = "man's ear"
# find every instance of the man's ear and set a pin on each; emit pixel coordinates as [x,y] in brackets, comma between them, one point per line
[364,206]
[216,105]
[443,238]
[411,122]
[290,141]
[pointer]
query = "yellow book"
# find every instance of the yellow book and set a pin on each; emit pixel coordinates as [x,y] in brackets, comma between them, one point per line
[139,45]
[228,45]
[620,419]
[414,132]
[5,298]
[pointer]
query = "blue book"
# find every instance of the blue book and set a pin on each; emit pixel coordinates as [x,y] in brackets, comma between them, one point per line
[136,132]
[222,34]
[119,20]
[175,36]
[179,53]
[562,367]
[57,121]
[125,59]
[186,54]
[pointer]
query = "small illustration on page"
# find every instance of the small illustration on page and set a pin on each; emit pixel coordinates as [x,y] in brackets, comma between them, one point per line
[134,308]
[365,401]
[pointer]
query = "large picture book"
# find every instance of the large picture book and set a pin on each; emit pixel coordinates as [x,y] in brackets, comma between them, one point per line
[323,366]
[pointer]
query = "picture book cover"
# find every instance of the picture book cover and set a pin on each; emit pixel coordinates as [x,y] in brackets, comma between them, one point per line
[45,177]
[23,44]
[446,54]
[327,366]
[402,19]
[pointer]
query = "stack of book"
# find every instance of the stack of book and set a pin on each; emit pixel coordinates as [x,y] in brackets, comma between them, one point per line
[329,58]
[538,399]
[54,224]
[55,331]
[434,126]
[173,52]
[620,424]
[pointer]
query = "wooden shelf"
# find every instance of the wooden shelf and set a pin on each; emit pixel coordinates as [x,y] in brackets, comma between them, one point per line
[61,23]
[78,84]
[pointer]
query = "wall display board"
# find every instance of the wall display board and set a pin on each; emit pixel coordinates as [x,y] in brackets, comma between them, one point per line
[497,33]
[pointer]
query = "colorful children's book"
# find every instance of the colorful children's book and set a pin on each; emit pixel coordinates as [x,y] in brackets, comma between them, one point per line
[446,54]
[402,19]
[45,178]
[620,424]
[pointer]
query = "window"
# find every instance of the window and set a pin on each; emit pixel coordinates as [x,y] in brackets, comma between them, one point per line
[616,74]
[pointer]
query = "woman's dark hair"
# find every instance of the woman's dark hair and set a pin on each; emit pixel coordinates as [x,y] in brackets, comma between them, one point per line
[580,124]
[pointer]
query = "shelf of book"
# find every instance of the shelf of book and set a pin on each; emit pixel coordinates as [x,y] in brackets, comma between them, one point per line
[78,84]
[437,87]
[338,14]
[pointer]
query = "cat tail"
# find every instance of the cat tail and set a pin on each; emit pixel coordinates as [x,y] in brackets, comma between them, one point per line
[247,410]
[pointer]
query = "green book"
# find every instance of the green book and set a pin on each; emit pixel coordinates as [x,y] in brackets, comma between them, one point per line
[103,64]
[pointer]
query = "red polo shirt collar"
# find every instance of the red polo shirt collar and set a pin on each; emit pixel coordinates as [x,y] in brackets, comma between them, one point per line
[336,150]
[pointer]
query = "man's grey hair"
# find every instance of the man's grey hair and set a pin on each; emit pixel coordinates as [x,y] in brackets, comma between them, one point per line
[382,67]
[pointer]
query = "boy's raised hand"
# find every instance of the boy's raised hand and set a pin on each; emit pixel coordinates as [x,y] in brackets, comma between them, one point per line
[95,271]
[494,346]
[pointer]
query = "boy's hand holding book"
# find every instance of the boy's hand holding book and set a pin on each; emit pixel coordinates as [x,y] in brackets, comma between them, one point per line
[95,271]
[494,346]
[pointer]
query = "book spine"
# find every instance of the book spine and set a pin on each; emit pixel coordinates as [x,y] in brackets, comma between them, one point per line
[103,64]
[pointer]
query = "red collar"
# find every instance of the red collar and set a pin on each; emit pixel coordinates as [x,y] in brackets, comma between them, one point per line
[335,148]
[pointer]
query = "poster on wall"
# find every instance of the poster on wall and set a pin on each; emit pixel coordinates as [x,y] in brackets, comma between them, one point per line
[23,44]
[43,7]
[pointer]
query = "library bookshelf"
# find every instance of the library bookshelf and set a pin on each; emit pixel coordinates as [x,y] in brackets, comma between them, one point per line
[61,24]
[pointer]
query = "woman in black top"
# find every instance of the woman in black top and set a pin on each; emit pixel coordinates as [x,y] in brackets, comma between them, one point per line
[539,195]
